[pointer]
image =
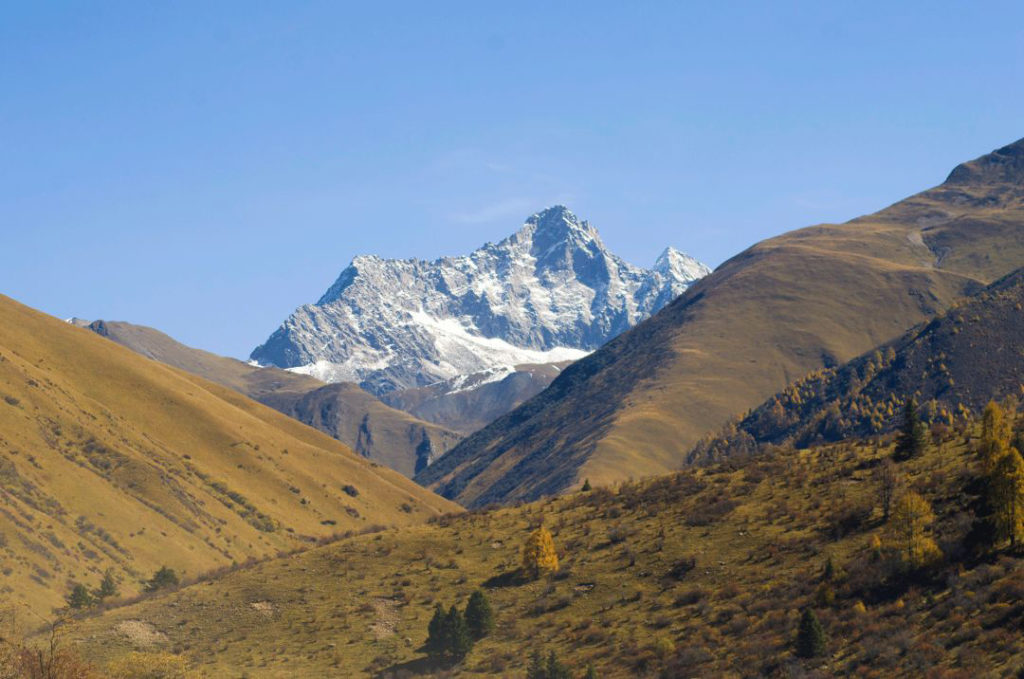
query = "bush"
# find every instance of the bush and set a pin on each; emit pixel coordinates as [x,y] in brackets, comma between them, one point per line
[164,578]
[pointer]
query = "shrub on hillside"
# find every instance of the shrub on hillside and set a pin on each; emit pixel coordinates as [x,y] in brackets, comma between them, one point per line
[164,578]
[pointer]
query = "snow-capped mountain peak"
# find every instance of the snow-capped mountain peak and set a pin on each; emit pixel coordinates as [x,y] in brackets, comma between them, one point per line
[549,292]
[679,265]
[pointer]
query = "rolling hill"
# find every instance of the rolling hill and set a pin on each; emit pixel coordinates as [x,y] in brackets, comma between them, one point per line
[952,365]
[343,410]
[112,461]
[805,300]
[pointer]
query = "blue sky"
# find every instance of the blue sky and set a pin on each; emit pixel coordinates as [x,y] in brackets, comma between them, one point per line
[204,168]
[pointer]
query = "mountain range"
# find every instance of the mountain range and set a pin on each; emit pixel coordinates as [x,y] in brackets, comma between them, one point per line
[806,300]
[549,293]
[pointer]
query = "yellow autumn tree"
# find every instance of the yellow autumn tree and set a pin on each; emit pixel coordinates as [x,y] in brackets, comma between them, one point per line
[539,553]
[908,525]
[1006,492]
[996,430]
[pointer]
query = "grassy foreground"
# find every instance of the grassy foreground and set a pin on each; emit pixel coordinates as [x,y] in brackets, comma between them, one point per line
[701,573]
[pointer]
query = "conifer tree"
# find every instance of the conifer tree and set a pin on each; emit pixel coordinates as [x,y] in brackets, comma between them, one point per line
[163,578]
[586,485]
[1007,498]
[435,647]
[911,440]
[539,554]
[79,596]
[995,436]
[458,642]
[555,669]
[537,669]
[888,482]
[911,517]
[479,616]
[108,586]
[810,637]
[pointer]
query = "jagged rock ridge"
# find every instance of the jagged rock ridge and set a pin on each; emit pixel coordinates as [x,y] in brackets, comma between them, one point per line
[550,292]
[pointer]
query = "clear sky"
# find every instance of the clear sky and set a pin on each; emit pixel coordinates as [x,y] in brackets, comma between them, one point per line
[205,167]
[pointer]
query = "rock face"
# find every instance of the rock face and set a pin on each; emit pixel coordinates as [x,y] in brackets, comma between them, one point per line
[549,293]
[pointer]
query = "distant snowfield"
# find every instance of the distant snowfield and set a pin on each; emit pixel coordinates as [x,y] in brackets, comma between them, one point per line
[465,353]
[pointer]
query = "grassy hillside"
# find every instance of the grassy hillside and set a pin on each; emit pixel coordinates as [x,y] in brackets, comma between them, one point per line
[700,573]
[110,460]
[952,365]
[803,301]
[344,411]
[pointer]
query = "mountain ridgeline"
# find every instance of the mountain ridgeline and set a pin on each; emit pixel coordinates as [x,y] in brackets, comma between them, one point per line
[551,292]
[343,411]
[806,300]
[952,366]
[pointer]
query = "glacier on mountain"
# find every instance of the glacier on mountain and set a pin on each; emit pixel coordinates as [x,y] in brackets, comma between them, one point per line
[548,293]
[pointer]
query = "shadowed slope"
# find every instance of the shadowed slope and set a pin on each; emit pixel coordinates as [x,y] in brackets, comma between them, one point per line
[953,366]
[808,299]
[109,460]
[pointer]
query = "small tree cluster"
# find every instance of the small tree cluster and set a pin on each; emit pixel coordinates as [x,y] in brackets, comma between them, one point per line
[448,638]
[539,554]
[547,668]
[1003,470]
[451,634]
[81,597]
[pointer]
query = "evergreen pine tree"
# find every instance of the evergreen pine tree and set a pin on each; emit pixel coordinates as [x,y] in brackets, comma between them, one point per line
[108,586]
[79,597]
[435,645]
[163,578]
[1006,493]
[830,570]
[458,642]
[911,440]
[536,669]
[479,616]
[586,485]
[555,669]
[810,638]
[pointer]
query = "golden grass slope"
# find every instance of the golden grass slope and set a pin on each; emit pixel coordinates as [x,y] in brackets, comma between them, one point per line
[700,574]
[110,460]
[344,411]
[808,299]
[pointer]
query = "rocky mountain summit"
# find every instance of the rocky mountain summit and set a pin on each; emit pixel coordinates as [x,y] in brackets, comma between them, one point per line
[551,292]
